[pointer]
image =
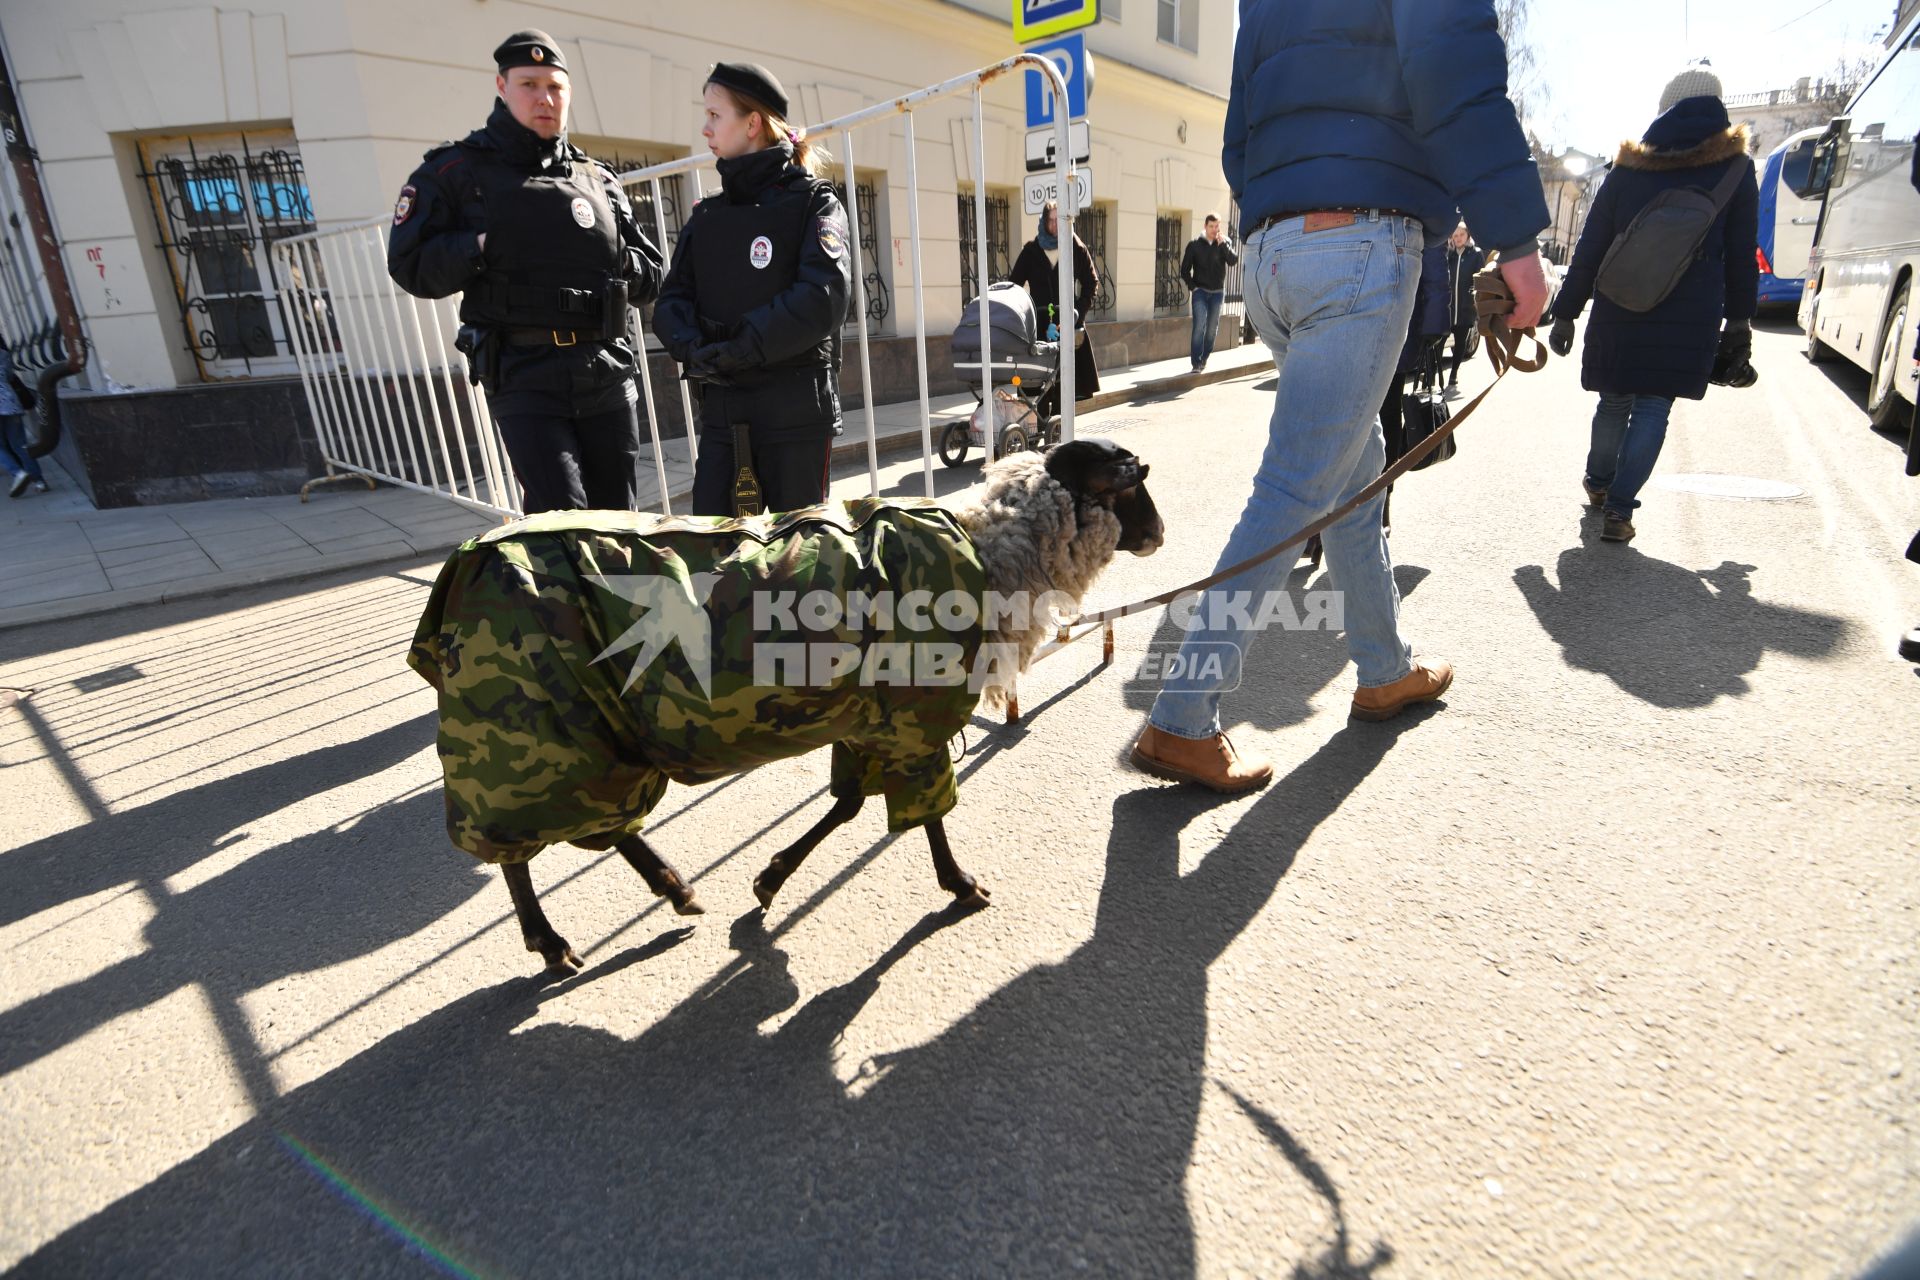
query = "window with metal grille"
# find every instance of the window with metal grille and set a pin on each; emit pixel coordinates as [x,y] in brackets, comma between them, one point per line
[673,191]
[1000,263]
[1169,245]
[1180,24]
[879,299]
[218,202]
[1091,226]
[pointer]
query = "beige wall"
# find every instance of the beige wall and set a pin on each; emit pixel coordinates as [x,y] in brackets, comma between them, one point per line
[367,85]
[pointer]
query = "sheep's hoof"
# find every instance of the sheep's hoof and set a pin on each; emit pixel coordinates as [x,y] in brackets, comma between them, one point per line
[764,891]
[560,957]
[688,905]
[972,898]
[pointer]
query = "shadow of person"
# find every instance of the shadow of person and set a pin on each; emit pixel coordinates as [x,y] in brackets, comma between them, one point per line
[1287,670]
[1338,1262]
[308,904]
[1046,1130]
[1670,636]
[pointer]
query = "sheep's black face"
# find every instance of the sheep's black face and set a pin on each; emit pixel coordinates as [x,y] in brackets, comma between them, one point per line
[1101,471]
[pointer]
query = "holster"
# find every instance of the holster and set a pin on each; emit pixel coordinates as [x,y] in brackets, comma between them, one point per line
[614,312]
[481,346]
[747,498]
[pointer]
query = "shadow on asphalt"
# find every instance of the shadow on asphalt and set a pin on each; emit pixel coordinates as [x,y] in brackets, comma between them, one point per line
[1047,1131]
[1671,636]
[1285,671]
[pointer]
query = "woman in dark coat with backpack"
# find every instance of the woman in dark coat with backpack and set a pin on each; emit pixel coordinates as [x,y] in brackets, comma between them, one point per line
[1640,362]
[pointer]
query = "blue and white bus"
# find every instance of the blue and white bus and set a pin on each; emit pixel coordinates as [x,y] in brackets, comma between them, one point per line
[1860,281]
[1787,220]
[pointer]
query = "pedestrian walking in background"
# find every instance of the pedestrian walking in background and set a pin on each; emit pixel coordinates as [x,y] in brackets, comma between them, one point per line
[1464,258]
[1204,271]
[1037,268]
[753,304]
[540,242]
[1641,361]
[15,402]
[1342,180]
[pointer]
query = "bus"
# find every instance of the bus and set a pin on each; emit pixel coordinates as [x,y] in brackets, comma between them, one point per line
[1860,279]
[1786,220]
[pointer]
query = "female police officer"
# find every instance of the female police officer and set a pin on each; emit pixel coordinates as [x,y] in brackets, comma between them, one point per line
[753,305]
[541,243]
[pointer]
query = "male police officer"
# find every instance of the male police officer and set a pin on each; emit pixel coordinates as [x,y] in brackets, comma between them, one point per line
[540,241]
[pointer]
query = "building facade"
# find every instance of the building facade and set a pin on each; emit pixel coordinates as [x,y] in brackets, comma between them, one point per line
[178,140]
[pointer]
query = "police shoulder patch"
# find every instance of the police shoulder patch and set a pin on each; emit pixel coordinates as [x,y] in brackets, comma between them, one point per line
[403,207]
[832,236]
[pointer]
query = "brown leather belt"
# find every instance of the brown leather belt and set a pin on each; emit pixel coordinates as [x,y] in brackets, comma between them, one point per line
[1334,217]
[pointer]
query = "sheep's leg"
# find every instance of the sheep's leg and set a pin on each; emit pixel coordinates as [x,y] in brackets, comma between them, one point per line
[539,935]
[659,875]
[967,891]
[788,860]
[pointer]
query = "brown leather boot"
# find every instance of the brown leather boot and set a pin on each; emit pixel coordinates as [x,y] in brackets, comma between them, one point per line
[1427,681]
[1211,762]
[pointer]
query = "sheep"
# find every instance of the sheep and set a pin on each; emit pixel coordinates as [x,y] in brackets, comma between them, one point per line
[530,628]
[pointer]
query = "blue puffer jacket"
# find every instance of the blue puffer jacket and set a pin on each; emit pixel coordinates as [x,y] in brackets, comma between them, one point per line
[1397,104]
[1669,350]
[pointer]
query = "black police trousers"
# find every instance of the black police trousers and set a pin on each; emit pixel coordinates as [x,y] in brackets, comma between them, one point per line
[793,473]
[567,463]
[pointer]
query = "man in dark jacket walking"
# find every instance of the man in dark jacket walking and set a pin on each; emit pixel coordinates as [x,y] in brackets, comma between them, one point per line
[1204,271]
[1356,132]
[1640,361]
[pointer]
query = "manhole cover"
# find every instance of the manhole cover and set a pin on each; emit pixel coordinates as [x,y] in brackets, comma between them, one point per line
[1750,488]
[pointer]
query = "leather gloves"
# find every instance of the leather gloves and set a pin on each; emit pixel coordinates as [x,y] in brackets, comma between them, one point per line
[716,362]
[1560,338]
[1733,364]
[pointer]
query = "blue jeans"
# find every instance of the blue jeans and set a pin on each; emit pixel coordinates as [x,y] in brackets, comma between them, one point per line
[1206,321]
[1333,306]
[1628,431]
[13,447]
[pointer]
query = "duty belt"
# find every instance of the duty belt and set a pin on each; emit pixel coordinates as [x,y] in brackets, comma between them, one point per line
[549,337]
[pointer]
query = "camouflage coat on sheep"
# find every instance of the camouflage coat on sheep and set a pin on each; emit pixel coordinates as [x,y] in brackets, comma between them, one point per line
[583,659]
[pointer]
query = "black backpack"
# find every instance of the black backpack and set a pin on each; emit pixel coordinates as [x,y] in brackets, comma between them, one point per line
[1646,262]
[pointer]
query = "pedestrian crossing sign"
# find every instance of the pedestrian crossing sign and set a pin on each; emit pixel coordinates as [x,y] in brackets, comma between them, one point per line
[1040,19]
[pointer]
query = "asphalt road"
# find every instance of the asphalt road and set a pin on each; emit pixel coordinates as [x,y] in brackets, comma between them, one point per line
[1606,967]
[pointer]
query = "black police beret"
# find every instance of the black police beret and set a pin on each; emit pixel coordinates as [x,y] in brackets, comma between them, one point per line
[753,80]
[528,49]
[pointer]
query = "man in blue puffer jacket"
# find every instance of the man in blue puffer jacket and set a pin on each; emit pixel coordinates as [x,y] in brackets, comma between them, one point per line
[1357,133]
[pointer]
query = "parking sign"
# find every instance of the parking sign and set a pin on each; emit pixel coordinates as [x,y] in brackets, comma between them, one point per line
[1070,55]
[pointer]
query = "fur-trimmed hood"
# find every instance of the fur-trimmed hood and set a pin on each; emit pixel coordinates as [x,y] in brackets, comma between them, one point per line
[1694,133]
[1722,146]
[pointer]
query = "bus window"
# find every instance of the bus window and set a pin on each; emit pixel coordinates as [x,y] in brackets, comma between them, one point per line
[1796,168]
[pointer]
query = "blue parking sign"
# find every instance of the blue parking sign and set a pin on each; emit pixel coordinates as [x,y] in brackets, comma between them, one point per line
[1069,53]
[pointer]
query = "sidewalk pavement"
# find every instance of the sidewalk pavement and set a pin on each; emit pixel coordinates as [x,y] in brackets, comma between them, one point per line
[64,559]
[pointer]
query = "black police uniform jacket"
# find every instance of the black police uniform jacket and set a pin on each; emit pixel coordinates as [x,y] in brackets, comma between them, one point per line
[753,304]
[560,231]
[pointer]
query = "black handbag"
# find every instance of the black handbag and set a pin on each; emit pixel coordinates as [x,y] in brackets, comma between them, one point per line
[1424,411]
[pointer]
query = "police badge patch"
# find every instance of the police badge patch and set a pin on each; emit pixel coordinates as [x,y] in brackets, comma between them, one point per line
[760,253]
[832,236]
[582,211]
[403,207]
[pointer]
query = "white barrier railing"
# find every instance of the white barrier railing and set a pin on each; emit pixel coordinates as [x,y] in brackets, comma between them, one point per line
[390,396]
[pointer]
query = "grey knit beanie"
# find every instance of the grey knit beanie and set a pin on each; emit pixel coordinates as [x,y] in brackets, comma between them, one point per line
[1697,81]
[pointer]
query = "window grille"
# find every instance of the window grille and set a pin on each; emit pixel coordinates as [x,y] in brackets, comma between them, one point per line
[999,214]
[217,203]
[1091,226]
[1169,245]
[879,300]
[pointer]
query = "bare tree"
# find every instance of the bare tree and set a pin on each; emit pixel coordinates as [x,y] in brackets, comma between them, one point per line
[1526,84]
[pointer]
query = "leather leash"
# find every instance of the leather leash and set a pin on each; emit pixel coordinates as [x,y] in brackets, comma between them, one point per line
[1493,302]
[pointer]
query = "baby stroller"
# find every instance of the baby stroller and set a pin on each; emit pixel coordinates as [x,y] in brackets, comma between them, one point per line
[1025,367]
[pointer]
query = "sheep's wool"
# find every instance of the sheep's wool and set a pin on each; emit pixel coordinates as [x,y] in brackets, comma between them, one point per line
[533,631]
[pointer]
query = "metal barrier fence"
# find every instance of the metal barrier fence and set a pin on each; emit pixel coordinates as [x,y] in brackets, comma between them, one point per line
[390,396]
